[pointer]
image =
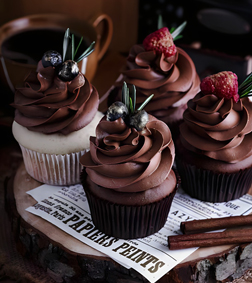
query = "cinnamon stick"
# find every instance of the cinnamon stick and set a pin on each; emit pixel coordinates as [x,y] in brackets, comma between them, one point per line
[210,239]
[198,226]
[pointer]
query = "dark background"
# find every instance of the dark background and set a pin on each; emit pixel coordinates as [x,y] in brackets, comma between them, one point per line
[228,28]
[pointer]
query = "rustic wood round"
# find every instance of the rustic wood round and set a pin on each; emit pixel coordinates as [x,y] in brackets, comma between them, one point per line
[68,260]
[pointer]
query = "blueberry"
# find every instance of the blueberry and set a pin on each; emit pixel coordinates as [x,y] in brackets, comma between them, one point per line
[139,119]
[68,70]
[117,110]
[51,58]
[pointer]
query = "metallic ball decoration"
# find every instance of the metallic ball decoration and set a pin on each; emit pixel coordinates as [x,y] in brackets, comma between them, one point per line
[139,119]
[51,58]
[117,110]
[68,70]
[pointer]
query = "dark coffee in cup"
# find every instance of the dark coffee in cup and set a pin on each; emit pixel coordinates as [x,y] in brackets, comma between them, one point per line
[23,42]
[28,47]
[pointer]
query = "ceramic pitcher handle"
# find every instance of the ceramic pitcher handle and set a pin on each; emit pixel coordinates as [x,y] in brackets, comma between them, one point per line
[104,27]
[7,77]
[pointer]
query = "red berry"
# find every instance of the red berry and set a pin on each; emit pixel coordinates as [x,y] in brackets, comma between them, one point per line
[223,85]
[161,41]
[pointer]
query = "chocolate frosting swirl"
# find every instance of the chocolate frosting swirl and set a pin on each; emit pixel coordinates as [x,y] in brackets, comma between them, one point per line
[218,128]
[47,104]
[126,160]
[173,80]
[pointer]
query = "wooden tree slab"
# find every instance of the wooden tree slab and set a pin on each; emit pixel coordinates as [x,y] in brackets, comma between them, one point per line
[66,259]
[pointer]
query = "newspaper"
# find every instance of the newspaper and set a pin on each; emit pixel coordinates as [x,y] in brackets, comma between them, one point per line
[67,208]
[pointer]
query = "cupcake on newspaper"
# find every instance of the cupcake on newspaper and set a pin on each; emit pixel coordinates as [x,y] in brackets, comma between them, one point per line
[158,66]
[127,175]
[56,112]
[214,152]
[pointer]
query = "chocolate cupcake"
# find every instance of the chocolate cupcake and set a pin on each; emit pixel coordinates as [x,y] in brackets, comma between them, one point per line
[158,66]
[213,151]
[128,176]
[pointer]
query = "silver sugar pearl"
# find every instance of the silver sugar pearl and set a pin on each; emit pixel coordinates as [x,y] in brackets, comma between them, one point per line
[139,120]
[68,70]
[117,110]
[51,58]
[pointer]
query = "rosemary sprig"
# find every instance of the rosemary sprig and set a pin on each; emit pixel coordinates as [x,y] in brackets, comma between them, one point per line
[65,43]
[141,107]
[73,53]
[131,107]
[245,88]
[160,22]
[76,50]
[87,52]
[129,98]
[73,47]
[176,33]
[133,91]
[125,95]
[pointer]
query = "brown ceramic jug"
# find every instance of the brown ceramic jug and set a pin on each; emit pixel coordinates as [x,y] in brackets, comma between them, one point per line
[23,42]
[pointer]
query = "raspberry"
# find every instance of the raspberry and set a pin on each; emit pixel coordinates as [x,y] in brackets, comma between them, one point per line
[161,41]
[223,85]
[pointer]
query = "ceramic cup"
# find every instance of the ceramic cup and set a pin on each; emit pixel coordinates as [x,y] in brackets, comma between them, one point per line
[23,42]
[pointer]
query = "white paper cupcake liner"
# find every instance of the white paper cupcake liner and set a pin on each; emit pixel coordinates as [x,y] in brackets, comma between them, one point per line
[52,169]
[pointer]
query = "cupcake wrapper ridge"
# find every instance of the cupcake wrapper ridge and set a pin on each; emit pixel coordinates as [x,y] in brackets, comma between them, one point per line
[53,169]
[212,186]
[129,222]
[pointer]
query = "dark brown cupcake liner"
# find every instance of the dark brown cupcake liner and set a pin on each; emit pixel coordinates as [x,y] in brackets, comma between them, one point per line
[212,186]
[128,222]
